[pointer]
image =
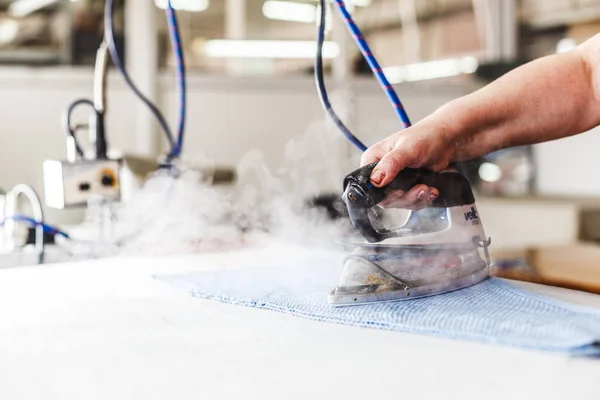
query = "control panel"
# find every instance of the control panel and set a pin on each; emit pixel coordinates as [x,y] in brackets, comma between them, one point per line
[72,184]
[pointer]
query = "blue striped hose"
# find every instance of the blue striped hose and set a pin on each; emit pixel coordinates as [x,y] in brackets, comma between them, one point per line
[373,64]
[47,228]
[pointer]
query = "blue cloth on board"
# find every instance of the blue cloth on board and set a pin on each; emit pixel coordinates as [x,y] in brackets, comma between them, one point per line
[493,311]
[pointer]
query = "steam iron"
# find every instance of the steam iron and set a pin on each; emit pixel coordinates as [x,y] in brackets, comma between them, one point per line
[434,250]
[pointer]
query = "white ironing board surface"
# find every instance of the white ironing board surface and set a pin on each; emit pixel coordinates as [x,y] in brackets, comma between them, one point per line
[107,330]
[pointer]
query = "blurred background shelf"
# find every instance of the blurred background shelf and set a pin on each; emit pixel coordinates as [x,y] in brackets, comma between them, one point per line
[32,57]
[575,266]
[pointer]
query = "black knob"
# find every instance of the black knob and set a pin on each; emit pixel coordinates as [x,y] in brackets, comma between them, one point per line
[108,181]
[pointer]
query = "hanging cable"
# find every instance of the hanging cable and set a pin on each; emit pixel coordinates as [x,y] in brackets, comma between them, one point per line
[31,221]
[98,105]
[114,54]
[321,89]
[180,71]
[373,64]
[66,121]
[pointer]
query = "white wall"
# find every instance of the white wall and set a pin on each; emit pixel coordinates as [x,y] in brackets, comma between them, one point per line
[569,167]
[31,104]
[227,118]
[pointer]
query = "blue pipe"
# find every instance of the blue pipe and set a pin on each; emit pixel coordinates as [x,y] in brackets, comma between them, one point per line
[373,64]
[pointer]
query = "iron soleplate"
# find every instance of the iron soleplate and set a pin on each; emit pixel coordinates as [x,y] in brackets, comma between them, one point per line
[356,295]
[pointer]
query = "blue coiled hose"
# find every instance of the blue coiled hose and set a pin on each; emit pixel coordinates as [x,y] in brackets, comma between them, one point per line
[176,145]
[175,36]
[371,60]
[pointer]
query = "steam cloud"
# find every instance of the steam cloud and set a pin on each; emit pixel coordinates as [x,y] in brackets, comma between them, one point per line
[189,215]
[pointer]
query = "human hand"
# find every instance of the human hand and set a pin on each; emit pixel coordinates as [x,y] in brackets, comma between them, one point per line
[416,147]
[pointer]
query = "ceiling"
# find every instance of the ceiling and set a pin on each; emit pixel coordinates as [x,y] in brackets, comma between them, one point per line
[445,28]
[380,14]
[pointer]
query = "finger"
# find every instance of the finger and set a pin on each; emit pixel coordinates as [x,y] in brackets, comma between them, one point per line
[440,166]
[404,154]
[409,199]
[388,167]
[433,194]
[375,152]
[370,156]
[391,199]
[426,200]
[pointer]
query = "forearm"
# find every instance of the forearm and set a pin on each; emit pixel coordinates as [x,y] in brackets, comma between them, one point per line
[547,99]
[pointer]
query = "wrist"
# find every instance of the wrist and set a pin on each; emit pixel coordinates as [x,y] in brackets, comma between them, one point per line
[459,123]
[446,125]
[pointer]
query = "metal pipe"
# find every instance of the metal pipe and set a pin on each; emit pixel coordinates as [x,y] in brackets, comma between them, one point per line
[38,214]
[71,149]
[100,74]
[97,127]
[141,49]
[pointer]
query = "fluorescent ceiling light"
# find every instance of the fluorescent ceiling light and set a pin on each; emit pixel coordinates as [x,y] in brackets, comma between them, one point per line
[22,8]
[432,70]
[490,172]
[289,11]
[184,5]
[360,3]
[268,49]
[8,31]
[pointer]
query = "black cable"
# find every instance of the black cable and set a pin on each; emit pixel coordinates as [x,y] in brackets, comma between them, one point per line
[114,54]
[67,121]
[320,81]
[101,143]
[175,36]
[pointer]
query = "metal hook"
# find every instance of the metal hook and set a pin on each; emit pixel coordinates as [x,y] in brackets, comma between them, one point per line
[38,214]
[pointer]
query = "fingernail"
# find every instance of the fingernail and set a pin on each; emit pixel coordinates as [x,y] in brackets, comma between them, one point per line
[421,194]
[432,197]
[377,177]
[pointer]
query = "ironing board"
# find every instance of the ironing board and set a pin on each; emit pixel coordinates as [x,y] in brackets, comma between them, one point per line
[107,330]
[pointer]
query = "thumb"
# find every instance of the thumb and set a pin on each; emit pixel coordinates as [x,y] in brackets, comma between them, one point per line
[388,168]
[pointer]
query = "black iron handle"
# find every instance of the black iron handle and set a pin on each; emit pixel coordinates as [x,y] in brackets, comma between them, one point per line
[360,195]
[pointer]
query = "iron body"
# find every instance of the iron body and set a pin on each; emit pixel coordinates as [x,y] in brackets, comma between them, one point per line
[411,254]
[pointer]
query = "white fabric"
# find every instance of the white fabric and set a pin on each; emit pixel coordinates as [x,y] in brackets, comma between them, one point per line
[107,330]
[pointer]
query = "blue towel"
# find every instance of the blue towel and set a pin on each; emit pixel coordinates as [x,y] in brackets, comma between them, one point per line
[493,311]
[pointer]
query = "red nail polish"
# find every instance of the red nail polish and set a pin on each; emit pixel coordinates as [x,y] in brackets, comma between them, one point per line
[377,177]
[432,197]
